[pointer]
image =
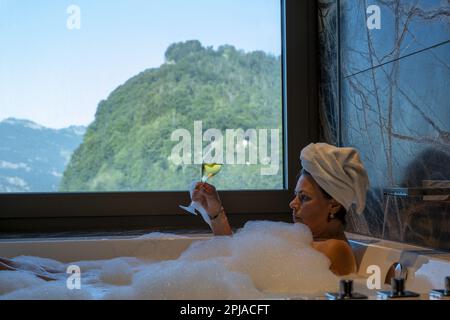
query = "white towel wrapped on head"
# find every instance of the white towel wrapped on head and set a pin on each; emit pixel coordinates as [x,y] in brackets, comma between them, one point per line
[339,171]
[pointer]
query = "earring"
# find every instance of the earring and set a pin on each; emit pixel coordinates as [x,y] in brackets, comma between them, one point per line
[330,216]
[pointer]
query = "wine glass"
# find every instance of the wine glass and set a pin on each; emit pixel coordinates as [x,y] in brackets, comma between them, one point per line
[209,170]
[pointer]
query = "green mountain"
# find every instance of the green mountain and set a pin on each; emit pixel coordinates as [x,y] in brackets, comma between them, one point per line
[128,145]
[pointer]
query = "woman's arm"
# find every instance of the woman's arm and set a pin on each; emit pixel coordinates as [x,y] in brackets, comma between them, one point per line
[206,195]
[219,224]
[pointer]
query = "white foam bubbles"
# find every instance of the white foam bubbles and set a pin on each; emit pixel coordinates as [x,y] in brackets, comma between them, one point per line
[53,290]
[15,280]
[261,259]
[116,271]
[208,249]
[279,258]
[207,279]
[296,233]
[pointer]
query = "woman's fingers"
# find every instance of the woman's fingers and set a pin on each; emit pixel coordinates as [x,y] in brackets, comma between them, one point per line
[199,193]
[198,185]
[209,188]
[205,193]
[203,186]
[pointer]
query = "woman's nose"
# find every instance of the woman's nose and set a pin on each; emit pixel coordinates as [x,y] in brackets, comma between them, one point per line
[294,203]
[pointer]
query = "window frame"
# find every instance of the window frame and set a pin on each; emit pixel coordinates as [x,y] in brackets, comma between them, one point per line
[62,212]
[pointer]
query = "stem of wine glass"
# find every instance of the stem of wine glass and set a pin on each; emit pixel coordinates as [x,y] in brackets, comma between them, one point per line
[205,178]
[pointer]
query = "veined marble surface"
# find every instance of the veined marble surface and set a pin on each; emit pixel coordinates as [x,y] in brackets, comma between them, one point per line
[395,109]
[406,26]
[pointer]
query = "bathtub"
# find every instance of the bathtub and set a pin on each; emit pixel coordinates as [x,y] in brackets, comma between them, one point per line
[374,257]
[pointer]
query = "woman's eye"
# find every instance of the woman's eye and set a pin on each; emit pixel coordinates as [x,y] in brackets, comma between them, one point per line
[303,198]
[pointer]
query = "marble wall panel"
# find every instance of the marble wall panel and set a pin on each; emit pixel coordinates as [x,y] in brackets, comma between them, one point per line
[398,116]
[393,94]
[407,26]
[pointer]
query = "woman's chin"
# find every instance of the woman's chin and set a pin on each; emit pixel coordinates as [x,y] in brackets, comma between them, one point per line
[297,220]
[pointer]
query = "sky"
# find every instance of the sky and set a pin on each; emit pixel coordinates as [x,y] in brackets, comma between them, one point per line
[55,76]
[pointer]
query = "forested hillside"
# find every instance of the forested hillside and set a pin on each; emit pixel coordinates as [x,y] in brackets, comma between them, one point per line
[128,145]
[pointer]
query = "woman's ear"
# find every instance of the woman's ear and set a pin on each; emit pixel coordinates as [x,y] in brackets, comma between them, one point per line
[335,206]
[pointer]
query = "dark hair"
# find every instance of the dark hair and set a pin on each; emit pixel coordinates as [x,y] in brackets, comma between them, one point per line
[340,215]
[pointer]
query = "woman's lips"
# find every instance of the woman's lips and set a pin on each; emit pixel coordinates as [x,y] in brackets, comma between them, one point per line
[296,218]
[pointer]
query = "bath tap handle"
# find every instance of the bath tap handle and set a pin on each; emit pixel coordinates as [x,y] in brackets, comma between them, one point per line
[345,292]
[447,286]
[346,288]
[398,272]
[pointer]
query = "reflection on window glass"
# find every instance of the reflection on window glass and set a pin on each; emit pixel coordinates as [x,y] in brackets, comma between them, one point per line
[134,95]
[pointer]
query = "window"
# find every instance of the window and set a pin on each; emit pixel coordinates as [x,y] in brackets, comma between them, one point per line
[110,113]
[135,95]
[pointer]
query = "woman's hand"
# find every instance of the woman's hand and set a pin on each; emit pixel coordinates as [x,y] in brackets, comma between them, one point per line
[206,195]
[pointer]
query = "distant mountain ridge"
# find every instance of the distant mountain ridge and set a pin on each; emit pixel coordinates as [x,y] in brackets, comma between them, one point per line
[78,130]
[33,157]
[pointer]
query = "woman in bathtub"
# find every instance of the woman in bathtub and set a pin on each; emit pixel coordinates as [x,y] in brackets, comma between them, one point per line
[331,180]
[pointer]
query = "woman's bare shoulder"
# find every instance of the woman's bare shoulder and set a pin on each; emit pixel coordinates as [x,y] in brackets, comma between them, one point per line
[331,244]
[340,254]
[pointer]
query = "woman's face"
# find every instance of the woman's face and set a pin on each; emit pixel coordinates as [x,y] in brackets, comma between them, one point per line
[310,206]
